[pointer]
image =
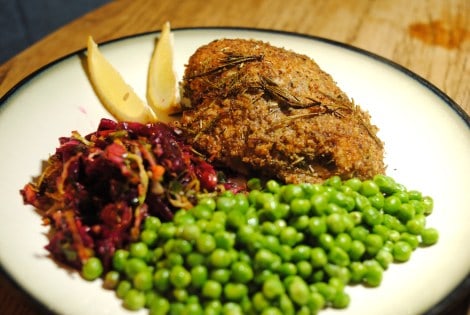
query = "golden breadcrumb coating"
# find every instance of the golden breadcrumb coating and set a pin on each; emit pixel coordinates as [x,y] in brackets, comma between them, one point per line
[264,110]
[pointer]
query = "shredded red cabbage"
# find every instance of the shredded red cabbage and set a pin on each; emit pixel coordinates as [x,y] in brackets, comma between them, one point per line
[96,190]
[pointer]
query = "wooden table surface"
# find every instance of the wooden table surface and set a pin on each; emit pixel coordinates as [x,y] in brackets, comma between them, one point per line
[431,38]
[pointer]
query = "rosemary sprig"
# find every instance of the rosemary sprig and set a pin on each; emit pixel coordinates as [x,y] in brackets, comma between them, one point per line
[230,61]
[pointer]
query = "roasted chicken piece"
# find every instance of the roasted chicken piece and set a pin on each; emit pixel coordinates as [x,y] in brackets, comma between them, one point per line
[266,111]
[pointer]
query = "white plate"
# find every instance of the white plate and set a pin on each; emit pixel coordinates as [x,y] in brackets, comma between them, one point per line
[426,135]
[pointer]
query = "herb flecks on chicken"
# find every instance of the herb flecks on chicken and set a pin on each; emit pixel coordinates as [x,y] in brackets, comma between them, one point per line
[96,190]
[266,110]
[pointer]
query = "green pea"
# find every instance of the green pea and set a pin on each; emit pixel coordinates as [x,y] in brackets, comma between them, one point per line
[213,307]
[333,181]
[242,272]
[319,203]
[335,223]
[264,259]
[119,259]
[160,306]
[285,252]
[208,202]
[343,240]
[317,226]
[291,191]
[235,291]
[225,203]
[386,184]
[338,256]
[286,306]
[288,236]
[298,291]
[361,202]
[359,233]
[301,252]
[190,232]
[393,223]
[392,204]
[260,302]
[384,257]
[374,273]
[92,268]
[304,269]
[167,231]
[111,279]
[180,295]
[382,230]
[300,223]
[369,188]
[122,288]
[271,243]
[372,216]
[310,189]
[176,308]
[357,250]
[402,251]
[341,300]
[148,237]
[343,200]
[174,259]
[219,258]
[205,244]
[355,183]
[242,203]
[416,225]
[287,269]
[411,239]
[133,266]
[254,183]
[300,206]
[273,186]
[220,275]
[373,243]
[269,228]
[180,277]
[161,279]
[134,300]
[319,257]
[403,195]
[429,236]
[182,246]
[327,291]
[377,201]
[199,276]
[193,309]
[212,289]
[358,270]
[152,223]
[326,241]
[183,217]
[315,303]
[406,212]
[428,205]
[224,239]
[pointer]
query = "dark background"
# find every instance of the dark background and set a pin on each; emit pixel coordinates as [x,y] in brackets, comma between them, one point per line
[24,22]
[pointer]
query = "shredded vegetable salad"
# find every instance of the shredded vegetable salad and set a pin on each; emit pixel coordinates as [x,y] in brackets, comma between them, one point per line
[96,190]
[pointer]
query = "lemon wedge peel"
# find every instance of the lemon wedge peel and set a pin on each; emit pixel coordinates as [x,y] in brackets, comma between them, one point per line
[162,83]
[116,95]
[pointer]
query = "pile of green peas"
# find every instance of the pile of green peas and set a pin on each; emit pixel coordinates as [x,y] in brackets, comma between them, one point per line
[278,249]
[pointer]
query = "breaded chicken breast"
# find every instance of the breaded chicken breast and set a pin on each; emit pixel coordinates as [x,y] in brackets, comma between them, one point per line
[266,111]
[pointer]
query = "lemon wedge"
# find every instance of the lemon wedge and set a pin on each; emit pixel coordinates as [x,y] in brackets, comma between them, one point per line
[162,83]
[116,95]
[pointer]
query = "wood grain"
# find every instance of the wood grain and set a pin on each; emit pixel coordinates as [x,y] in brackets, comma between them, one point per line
[438,51]
[429,37]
